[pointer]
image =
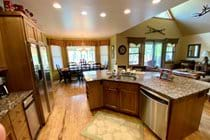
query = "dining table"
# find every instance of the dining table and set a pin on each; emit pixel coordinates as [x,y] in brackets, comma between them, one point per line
[78,70]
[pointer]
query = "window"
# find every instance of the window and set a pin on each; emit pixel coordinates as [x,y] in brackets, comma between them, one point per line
[164,15]
[134,54]
[153,53]
[56,56]
[170,51]
[104,55]
[81,54]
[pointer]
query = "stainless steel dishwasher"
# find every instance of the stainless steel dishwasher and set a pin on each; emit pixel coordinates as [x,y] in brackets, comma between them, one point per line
[31,116]
[154,112]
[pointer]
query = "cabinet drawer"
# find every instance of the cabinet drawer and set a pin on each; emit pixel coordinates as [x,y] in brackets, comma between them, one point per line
[129,87]
[110,85]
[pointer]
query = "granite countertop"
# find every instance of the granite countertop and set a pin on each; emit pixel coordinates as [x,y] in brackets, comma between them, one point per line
[178,88]
[11,101]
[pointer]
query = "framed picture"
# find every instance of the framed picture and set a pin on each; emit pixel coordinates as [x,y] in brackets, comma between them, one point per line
[113,51]
[166,74]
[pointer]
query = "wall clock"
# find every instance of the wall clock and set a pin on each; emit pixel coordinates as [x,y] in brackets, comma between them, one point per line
[122,50]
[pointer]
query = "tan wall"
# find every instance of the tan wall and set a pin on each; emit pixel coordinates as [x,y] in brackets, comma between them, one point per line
[171,31]
[202,39]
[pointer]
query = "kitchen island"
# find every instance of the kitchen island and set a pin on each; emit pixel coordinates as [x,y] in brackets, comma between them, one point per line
[171,109]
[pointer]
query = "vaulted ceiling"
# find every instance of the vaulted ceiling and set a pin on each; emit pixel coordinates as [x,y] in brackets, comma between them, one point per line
[184,15]
[68,22]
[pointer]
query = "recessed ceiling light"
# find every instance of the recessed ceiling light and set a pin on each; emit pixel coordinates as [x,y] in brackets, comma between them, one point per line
[127,11]
[56,5]
[84,13]
[103,14]
[156,1]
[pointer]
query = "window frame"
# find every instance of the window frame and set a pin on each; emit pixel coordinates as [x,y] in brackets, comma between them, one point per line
[172,41]
[80,46]
[139,53]
[61,56]
[136,41]
[104,55]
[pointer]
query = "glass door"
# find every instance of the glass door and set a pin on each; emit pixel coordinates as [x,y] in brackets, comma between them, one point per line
[153,53]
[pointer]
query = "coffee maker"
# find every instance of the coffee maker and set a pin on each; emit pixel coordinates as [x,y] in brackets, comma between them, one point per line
[3,89]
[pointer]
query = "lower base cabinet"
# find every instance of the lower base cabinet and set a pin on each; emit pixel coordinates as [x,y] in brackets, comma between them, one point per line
[111,95]
[129,98]
[5,121]
[94,94]
[19,124]
[15,124]
[122,97]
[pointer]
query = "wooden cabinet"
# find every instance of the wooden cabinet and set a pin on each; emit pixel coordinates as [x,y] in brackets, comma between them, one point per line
[129,98]
[2,56]
[30,31]
[19,124]
[111,95]
[8,127]
[94,94]
[39,36]
[121,96]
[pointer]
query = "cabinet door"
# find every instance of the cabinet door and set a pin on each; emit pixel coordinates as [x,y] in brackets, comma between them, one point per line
[2,57]
[129,98]
[111,94]
[94,94]
[39,36]
[129,101]
[18,121]
[30,32]
[6,123]
[111,98]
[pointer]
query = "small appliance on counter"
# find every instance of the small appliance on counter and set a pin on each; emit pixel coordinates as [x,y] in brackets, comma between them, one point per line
[3,89]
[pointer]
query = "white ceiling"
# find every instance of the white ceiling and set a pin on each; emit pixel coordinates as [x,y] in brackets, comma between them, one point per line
[187,23]
[69,23]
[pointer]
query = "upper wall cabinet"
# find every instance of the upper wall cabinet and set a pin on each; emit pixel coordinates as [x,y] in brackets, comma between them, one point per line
[30,31]
[2,56]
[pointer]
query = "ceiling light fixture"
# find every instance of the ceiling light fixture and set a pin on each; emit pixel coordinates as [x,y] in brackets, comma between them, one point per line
[56,5]
[127,11]
[84,13]
[103,14]
[156,1]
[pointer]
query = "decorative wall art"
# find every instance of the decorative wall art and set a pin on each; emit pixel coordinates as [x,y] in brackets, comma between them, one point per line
[205,10]
[122,49]
[153,30]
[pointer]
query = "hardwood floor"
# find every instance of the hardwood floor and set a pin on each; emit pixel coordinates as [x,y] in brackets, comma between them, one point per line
[71,114]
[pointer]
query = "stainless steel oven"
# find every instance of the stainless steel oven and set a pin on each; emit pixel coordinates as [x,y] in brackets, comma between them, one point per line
[31,116]
[154,112]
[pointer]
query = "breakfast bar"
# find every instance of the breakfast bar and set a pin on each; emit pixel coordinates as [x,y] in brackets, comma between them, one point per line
[171,109]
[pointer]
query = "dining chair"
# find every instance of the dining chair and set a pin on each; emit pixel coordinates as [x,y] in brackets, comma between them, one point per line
[61,75]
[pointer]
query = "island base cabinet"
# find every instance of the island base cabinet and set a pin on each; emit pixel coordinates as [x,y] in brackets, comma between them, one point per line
[129,98]
[121,97]
[111,98]
[185,116]
[94,92]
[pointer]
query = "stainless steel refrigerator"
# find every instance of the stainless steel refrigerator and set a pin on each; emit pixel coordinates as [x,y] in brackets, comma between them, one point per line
[42,80]
[47,75]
